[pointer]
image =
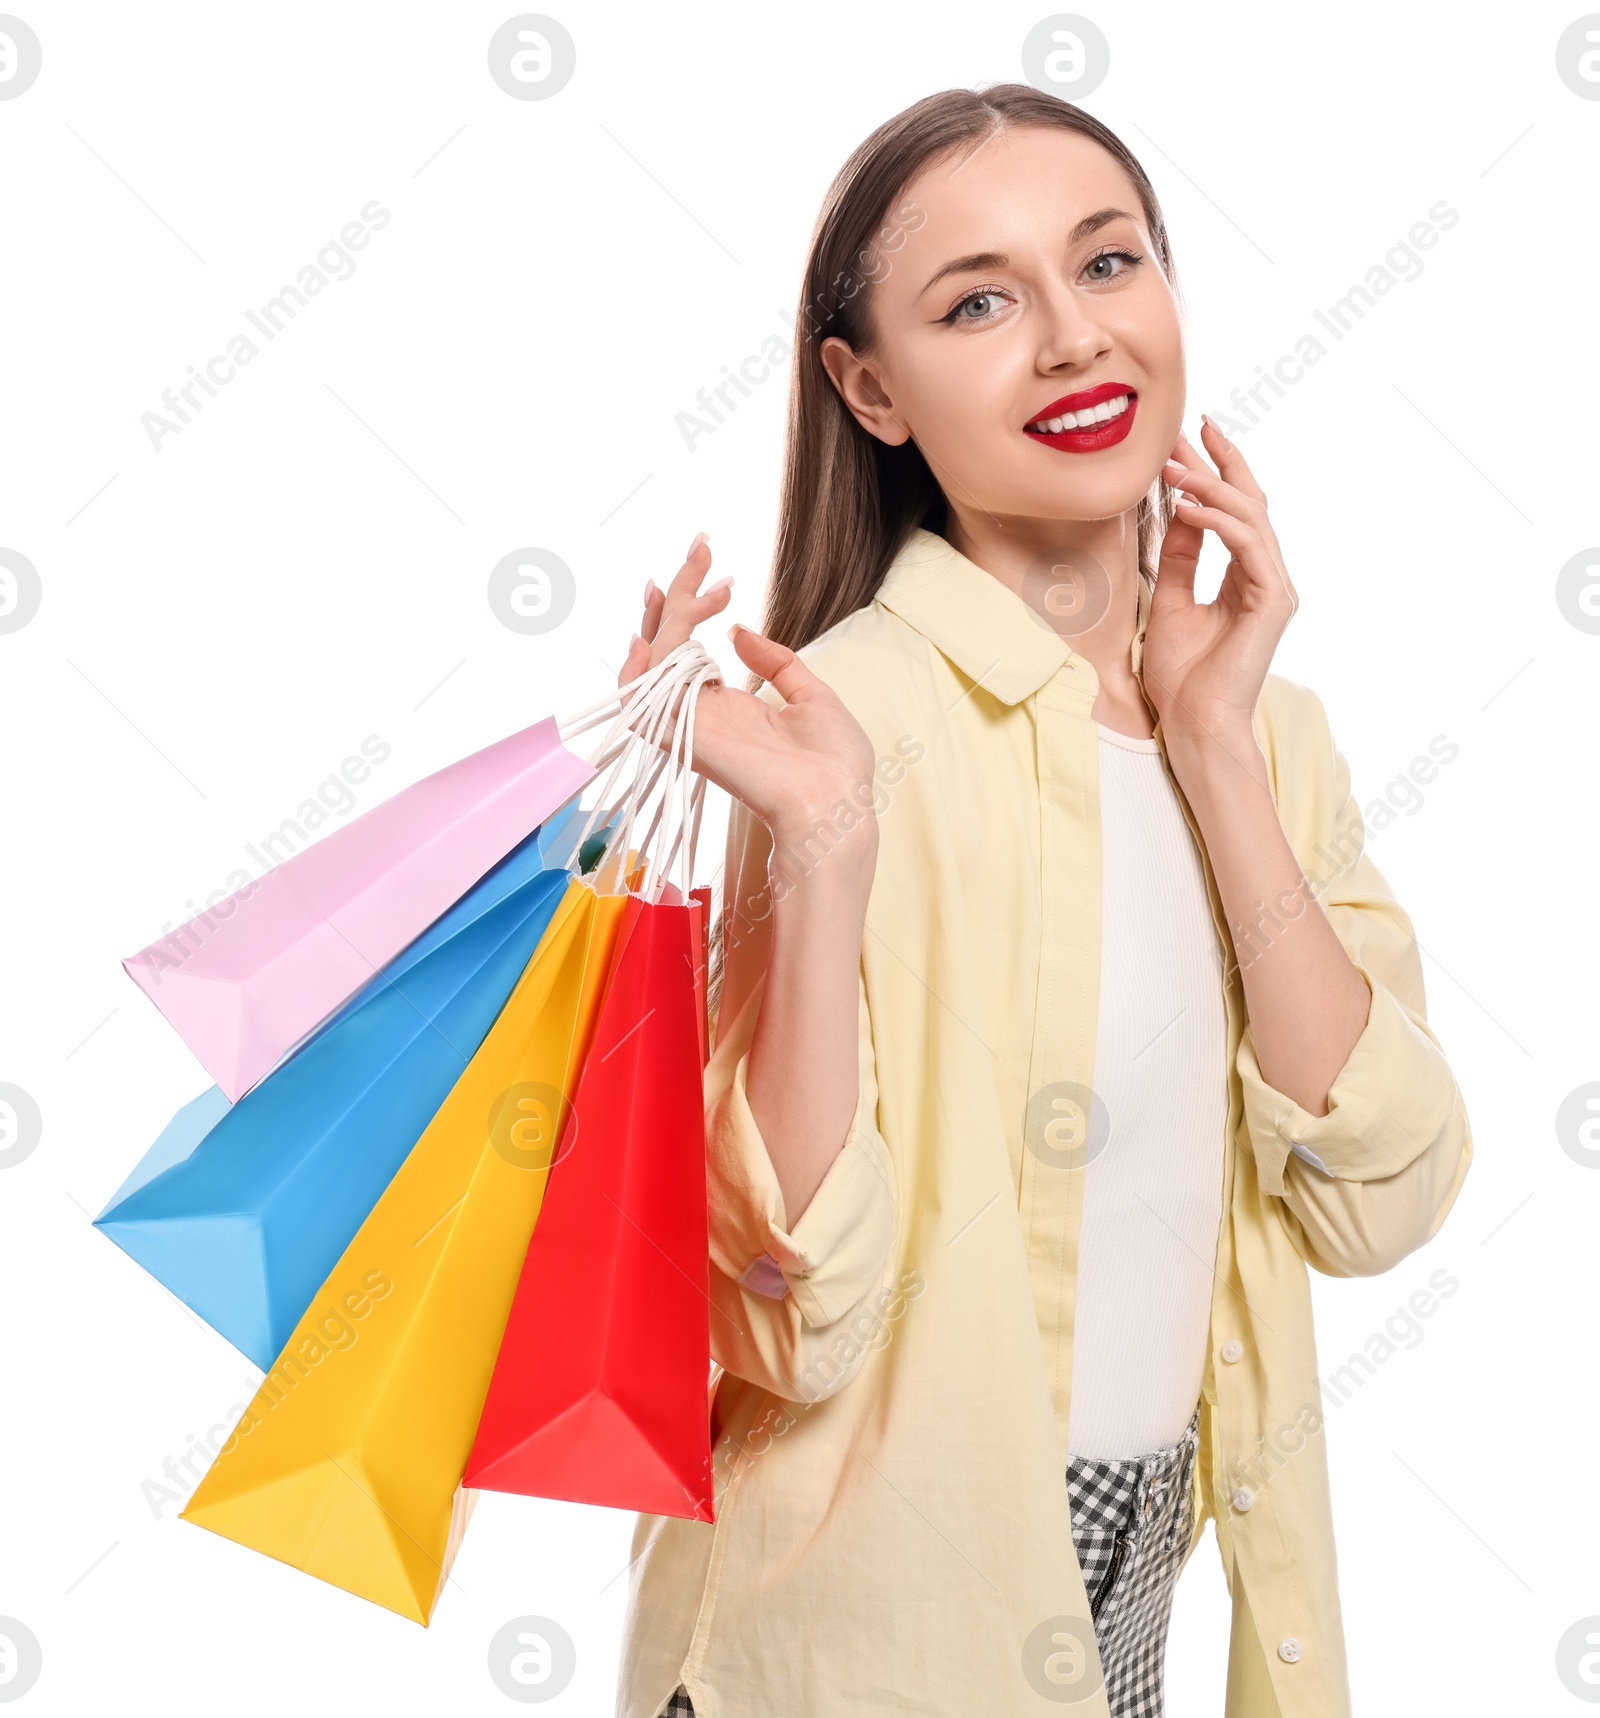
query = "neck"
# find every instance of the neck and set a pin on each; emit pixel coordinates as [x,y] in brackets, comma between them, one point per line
[1080,577]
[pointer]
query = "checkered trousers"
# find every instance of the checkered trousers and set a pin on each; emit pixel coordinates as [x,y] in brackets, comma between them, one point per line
[1130,1528]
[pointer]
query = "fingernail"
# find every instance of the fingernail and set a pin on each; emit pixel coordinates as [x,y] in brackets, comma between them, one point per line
[636,639]
[738,626]
[717,585]
[699,539]
[649,589]
[1173,469]
[1188,501]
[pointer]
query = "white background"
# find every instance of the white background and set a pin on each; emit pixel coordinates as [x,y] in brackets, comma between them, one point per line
[306,564]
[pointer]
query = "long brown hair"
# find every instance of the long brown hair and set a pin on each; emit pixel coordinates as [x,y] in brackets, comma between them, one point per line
[848,501]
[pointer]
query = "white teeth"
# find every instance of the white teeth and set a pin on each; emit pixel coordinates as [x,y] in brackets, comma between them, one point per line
[1103,413]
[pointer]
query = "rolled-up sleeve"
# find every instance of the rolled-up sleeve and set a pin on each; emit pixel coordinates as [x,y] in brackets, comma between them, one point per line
[836,1254]
[1372,1179]
[783,1296]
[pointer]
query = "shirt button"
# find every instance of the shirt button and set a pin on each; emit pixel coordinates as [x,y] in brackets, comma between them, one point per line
[1232,1350]
[1290,1650]
[1243,1498]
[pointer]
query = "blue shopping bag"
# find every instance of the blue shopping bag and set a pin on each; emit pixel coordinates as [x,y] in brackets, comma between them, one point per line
[242,1209]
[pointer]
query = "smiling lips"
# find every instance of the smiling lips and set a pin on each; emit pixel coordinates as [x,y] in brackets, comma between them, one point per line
[1086,422]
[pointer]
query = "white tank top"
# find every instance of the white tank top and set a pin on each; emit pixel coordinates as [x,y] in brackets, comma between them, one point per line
[1152,1204]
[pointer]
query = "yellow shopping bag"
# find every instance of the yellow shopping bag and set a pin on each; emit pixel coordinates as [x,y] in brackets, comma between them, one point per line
[348,1462]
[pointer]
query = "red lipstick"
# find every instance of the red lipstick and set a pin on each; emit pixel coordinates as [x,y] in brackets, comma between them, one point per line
[1092,437]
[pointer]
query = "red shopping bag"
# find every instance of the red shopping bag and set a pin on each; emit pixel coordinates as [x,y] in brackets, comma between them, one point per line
[599,1390]
[701,957]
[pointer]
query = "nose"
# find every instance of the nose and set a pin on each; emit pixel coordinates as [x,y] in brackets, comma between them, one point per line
[1070,336]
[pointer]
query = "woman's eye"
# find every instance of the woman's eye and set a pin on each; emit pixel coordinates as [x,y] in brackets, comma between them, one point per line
[976,307]
[1095,272]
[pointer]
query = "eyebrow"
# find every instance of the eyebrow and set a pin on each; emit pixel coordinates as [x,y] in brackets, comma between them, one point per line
[995,259]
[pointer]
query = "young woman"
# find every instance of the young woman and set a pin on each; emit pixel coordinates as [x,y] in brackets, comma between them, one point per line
[1063,1020]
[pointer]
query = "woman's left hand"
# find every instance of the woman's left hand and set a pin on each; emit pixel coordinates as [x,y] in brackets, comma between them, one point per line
[1205,663]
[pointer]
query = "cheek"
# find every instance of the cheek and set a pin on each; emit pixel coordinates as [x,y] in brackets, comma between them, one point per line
[1153,337]
[959,398]
[1151,340]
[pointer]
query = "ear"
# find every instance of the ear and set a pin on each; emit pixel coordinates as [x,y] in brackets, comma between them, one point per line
[861,388]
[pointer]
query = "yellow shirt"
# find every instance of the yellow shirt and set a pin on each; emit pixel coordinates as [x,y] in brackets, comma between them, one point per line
[892,1531]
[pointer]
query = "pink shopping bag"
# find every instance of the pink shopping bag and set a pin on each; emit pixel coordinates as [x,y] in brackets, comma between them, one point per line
[245,981]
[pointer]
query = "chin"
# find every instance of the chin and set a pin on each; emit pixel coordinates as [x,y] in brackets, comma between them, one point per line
[1094,499]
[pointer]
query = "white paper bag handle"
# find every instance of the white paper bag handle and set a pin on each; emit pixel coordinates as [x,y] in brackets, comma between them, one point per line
[686,781]
[683,783]
[621,743]
[650,696]
[657,708]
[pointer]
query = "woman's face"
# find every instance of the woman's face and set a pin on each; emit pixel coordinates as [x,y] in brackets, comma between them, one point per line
[1029,292]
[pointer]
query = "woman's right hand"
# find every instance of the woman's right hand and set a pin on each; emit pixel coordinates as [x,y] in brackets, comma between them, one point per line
[794,766]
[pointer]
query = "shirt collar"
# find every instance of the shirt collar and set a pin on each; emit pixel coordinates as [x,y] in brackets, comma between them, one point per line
[986,630]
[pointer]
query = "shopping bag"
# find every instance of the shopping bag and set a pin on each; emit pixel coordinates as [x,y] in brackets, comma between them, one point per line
[242,1210]
[701,973]
[248,980]
[347,1464]
[599,1389]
